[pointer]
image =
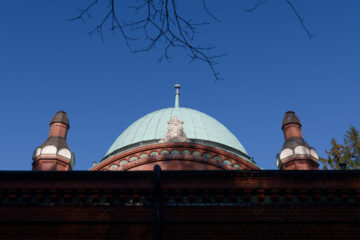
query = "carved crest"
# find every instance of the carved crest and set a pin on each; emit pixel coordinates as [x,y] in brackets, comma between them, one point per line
[175,132]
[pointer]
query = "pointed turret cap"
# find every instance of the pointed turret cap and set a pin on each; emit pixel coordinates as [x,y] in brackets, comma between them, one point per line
[289,118]
[60,117]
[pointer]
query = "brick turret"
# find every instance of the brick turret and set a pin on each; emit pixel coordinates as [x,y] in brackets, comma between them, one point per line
[59,125]
[296,154]
[54,154]
[291,125]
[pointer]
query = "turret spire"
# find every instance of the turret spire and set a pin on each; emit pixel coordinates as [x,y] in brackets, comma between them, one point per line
[295,154]
[54,154]
[177,95]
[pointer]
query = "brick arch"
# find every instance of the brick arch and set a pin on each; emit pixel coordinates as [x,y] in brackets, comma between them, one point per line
[178,161]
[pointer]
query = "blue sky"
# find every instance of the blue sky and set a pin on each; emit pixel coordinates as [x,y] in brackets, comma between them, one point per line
[49,64]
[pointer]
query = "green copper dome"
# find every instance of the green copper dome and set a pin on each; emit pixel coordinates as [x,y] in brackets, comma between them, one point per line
[198,127]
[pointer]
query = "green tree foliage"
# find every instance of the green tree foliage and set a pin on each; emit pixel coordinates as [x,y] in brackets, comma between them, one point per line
[347,153]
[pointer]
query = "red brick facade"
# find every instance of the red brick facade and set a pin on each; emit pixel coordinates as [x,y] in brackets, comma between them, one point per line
[180,205]
[128,196]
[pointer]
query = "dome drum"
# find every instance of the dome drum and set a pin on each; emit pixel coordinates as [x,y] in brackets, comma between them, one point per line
[193,141]
[201,157]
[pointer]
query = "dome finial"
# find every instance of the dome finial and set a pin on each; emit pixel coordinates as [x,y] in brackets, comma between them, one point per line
[177,95]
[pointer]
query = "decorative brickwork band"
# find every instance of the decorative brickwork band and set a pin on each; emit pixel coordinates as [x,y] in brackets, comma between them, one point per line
[175,156]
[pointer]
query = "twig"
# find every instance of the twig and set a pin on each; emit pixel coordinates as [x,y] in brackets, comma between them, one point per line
[157,21]
[300,19]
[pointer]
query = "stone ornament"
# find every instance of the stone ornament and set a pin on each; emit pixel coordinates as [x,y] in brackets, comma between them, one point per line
[175,132]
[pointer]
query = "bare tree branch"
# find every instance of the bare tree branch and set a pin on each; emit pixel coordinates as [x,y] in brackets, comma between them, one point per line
[257,4]
[156,22]
[160,22]
[208,12]
[300,19]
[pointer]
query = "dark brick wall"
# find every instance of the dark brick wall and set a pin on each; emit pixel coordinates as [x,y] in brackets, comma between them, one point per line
[190,205]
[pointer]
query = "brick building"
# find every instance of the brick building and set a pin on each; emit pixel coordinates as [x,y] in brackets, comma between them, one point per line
[178,173]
